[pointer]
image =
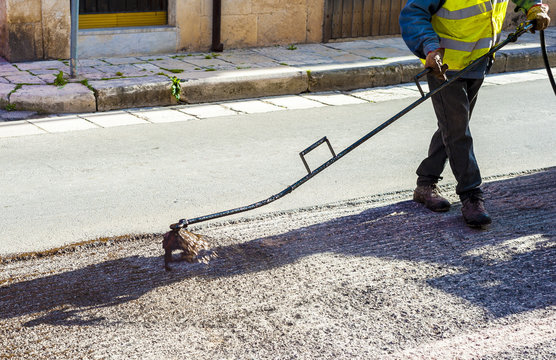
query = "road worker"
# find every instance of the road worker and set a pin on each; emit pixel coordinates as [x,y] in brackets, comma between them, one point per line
[448,35]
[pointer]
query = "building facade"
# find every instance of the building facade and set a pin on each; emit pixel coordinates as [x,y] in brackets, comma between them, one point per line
[40,29]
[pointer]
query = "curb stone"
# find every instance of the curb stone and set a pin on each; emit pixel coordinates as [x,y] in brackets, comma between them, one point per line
[132,93]
[117,94]
[241,85]
[5,91]
[72,97]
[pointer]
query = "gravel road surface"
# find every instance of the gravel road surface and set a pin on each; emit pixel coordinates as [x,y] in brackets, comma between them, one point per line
[371,278]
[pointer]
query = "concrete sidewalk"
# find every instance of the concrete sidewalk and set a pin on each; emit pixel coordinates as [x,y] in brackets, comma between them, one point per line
[121,83]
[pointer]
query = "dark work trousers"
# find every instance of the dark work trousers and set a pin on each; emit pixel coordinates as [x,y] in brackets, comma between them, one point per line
[453,107]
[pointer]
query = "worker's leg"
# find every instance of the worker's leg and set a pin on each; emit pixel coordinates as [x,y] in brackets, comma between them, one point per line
[453,107]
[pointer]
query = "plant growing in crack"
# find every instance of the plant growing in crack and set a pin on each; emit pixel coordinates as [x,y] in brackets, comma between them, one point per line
[176,88]
[291,47]
[59,80]
[10,107]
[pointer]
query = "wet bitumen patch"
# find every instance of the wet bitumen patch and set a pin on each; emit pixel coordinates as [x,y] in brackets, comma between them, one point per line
[378,277]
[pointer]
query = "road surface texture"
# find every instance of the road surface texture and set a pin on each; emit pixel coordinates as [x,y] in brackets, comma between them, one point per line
[379,277]
[61,188]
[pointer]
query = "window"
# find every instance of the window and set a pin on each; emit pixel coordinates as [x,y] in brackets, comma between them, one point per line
[122,13]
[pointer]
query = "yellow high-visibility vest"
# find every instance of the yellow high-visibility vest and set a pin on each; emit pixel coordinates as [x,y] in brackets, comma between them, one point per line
[468,29]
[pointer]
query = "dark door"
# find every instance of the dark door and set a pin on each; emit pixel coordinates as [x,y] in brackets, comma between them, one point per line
[358,18]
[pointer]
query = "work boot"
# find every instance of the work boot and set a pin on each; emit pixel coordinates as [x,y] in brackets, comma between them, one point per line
[430,196]
[474,212]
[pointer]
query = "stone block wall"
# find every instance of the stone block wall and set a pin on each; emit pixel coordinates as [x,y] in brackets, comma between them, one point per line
[34,29]
[249,23]
[40,29]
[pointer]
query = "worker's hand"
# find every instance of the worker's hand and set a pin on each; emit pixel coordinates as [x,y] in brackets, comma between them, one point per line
[434,62]
[539,13]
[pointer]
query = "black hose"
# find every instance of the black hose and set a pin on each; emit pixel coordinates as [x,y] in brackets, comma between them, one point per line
[546,63]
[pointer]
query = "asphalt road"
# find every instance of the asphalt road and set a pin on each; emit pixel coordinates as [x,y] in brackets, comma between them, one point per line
[380,278]
[66,188]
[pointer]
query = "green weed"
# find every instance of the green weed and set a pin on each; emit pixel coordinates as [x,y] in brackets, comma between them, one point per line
[86,83]
[60,81]
[176,88]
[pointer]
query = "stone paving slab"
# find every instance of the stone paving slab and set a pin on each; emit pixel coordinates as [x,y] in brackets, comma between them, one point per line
[252,106]
[8,69]
[113,119]
[24,78]
[125,70]
[130,82]
[385,93]
[5,90]
[501,79]
[248,58]
[163,116]
[292,102]
[35,65]
[334,99]
[122,61]
[90,62]
[63,124]
[207,111]
[211,63]
[170,63]
[19,128]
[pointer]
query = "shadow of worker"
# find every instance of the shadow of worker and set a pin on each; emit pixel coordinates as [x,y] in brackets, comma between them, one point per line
[506,269]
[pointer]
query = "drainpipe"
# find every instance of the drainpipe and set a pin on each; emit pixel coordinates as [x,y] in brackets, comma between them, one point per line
[73,37]
[216,46]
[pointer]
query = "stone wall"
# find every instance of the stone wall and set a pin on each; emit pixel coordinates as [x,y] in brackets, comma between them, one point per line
[3,29]
[34,29]
[40,29]
[248,23]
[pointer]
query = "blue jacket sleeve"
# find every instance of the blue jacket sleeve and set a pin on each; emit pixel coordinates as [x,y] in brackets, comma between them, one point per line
[415,23]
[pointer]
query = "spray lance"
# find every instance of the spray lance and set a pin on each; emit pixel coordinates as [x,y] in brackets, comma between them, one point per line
[194,245]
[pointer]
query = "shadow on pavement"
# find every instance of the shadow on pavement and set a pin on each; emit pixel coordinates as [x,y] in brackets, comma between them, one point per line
[509,268]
